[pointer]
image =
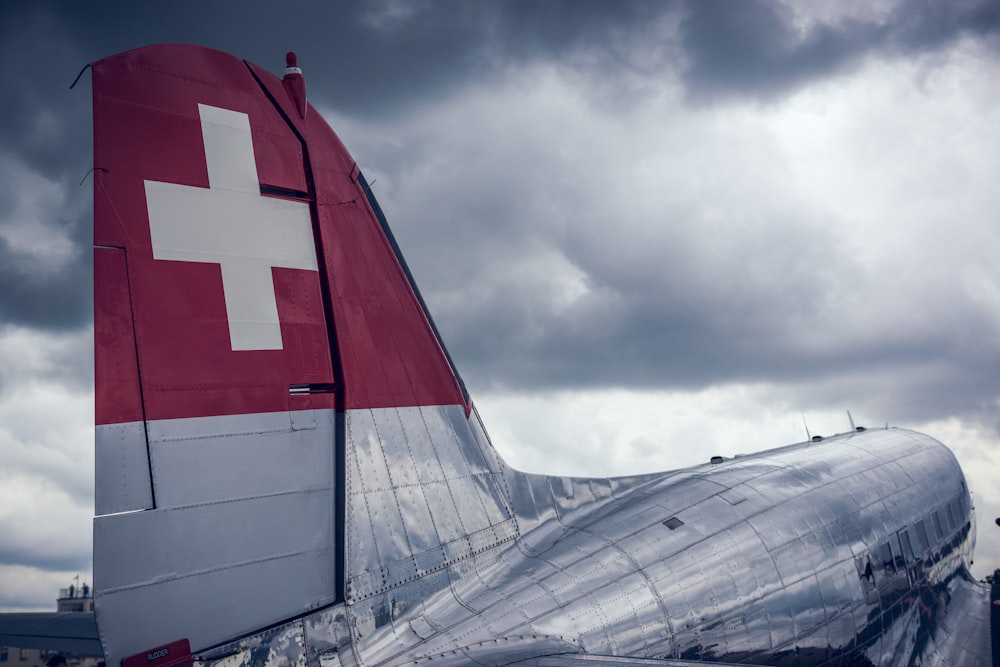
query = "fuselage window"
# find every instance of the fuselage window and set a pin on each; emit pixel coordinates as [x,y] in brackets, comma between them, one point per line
[963,505]
[956,518]
[918,538]
[946,527]
[866,574]
[884,555]
[938,528]
[904,540]
[897,552]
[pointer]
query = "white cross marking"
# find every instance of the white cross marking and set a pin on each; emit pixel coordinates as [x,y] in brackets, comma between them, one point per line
[232,225]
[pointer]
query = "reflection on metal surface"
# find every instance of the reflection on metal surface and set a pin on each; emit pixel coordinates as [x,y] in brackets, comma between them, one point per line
[196,544]
[794,556]
[832,552]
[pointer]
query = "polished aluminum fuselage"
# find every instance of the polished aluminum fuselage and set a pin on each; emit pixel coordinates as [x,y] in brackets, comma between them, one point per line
[849,550]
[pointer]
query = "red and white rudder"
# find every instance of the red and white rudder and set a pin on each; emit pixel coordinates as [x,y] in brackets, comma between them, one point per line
[279,428]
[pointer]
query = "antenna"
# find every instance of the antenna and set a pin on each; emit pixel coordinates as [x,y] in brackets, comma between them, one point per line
[851,419]
[808,434]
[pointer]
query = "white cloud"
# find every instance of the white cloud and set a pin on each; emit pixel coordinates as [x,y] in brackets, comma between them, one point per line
[47,477]
[31,589]
[622,432]
[619,432]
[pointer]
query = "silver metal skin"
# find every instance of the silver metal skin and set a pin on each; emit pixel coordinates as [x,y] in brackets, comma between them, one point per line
[121,469]
[244,512]
[849,551]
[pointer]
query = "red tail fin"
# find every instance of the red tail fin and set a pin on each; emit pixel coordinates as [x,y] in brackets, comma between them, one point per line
[248,296]
[251,247]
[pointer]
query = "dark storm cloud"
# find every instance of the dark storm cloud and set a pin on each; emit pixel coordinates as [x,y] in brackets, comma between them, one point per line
[755,49]
[752,48]
[33,295]
[380,58]
[924,25]
[769,292]
[366,59]
[43,122]
[44,140]
[377,60]
[408,51]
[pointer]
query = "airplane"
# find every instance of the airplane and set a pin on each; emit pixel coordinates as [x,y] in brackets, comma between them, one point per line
[290,469]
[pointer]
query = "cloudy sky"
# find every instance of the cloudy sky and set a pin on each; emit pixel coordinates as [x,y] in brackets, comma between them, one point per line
[649,232]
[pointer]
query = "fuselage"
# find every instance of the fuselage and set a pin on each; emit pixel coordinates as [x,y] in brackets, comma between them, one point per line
[824,552]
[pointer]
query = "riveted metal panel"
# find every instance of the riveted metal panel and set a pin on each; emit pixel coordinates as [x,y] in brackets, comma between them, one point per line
[122,478]
[211,459]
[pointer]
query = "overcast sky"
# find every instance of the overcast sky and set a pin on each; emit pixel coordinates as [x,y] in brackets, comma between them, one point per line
[649,232]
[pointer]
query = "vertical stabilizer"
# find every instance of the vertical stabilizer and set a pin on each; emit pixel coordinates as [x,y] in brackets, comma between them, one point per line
[279,427]
[209,307]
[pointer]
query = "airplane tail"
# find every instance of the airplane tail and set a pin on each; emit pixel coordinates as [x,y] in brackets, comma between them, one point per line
[279,428]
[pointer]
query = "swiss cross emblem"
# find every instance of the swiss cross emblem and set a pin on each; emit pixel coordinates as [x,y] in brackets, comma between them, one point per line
[232,225]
